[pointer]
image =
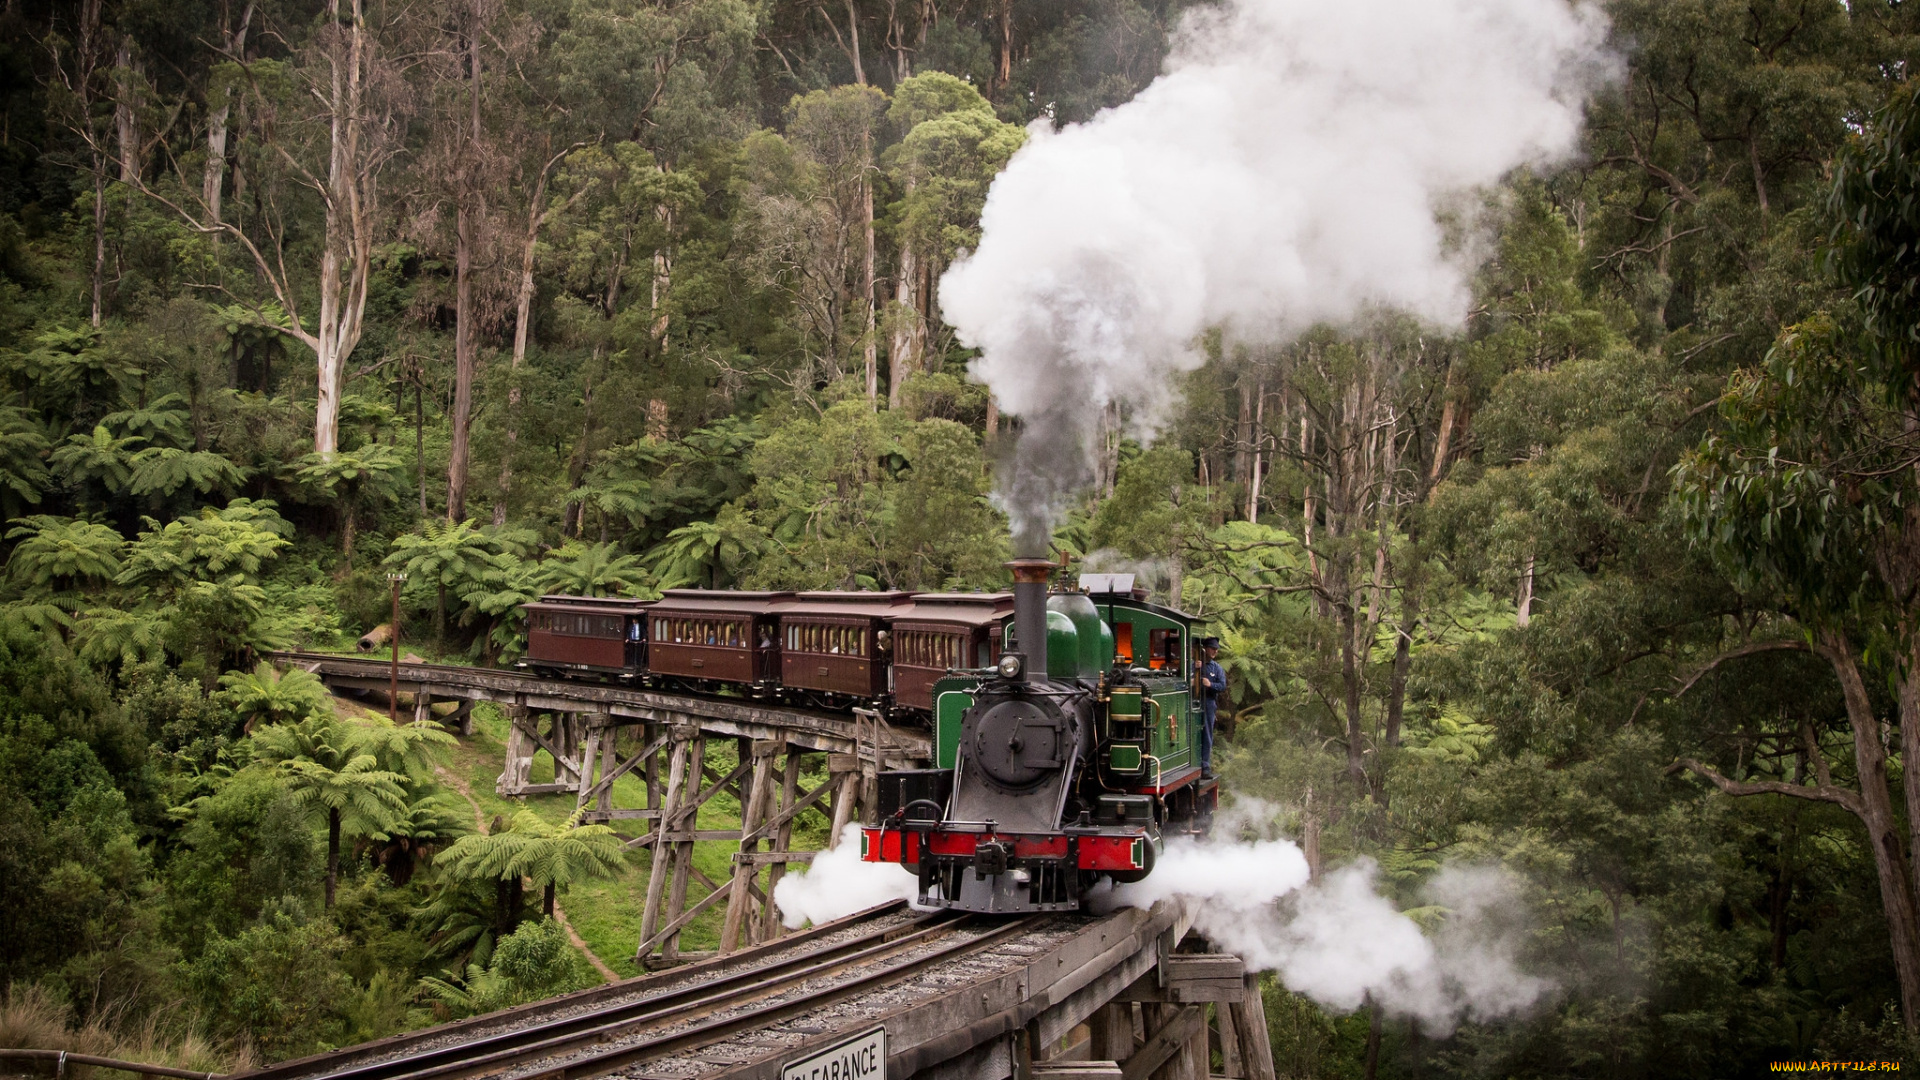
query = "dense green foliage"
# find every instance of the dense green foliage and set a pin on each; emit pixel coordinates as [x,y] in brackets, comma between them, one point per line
[1616,586]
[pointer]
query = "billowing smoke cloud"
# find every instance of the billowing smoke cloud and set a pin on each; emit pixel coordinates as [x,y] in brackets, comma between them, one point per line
[838,883]
[1282,172]
[1338,940]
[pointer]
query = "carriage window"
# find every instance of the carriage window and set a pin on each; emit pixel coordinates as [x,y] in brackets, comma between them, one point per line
[1163,650]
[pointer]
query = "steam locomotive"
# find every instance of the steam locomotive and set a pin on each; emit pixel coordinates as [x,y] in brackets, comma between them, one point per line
[1065,723]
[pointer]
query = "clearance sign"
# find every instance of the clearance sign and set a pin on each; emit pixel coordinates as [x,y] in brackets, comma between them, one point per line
[861,1057]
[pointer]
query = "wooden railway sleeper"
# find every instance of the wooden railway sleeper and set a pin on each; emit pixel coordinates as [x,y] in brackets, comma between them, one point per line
[611,1022]
[595,1063]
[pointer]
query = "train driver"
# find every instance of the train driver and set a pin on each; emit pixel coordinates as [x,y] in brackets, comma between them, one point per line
[1213,683]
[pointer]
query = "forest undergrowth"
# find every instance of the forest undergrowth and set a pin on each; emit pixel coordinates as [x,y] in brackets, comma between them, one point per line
[1612,585]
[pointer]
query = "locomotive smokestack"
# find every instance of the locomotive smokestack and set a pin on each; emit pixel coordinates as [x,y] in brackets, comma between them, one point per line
[1030,612]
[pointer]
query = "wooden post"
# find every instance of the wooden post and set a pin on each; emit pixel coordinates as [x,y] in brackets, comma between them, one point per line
[770,927]
[519,765]
[843,802]
[589,749]
[1250,1022]
[422,705]
[686,820]
[1111,1026]
[653,789]
[607,758]
[462,717]
[1230,1064]
[745,868]
[663,852]
[1195,1062]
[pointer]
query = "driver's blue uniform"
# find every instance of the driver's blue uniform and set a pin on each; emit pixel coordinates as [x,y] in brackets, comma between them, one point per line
[1213,683]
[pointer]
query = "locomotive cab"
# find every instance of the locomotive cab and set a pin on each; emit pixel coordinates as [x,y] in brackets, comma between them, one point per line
[1064,764]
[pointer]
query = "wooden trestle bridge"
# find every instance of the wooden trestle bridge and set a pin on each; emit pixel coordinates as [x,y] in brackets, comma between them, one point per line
[884,995]
[583,726]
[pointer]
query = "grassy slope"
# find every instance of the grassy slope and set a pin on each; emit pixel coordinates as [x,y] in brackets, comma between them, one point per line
[607,913]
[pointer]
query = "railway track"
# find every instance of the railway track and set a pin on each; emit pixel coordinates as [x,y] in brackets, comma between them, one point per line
[813,729]
[686,1009]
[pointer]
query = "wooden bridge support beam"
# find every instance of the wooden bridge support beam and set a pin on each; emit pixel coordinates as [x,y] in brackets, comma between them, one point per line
[782,839]
[745,867]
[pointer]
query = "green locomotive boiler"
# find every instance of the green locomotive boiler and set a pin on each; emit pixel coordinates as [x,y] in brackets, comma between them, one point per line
[1069,761]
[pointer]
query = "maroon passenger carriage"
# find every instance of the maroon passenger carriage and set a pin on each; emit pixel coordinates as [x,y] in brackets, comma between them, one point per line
[707,639]
[827,649]
[944,632]
[1065,747]
[601,635]
[836,647]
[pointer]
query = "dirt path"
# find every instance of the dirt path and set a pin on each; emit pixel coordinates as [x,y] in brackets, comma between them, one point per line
[459,784]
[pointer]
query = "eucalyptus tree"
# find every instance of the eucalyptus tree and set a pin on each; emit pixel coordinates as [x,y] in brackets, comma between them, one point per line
[332,121]
[1812,495]
[951,145]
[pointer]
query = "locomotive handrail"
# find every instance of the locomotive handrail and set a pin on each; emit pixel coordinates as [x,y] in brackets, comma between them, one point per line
[926,824]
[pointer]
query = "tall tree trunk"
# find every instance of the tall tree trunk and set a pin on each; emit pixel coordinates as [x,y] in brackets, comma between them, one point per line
[420,436]
[1891,859]
[871,351]
[903,353]
[126,127]
[537,217]
[1444,444]
[86,59]
[1243,432]
[1524,606]
[1350,687]
[662,282]
[1005,71]
[333,853]
[220,105]
[464,361]
[348,254]
[99,238]
[1259,460]
[853,48]
[1908,698]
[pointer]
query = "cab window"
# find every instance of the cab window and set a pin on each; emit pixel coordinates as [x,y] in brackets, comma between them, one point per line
[1163,650]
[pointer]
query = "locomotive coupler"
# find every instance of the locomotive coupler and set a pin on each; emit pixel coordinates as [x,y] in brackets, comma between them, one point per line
[991,858]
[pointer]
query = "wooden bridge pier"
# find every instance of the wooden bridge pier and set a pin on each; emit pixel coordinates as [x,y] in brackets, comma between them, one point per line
[595,733]
[670,757]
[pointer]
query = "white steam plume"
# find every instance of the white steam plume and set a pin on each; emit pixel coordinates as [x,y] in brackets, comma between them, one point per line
[1283,171]
[1338,940]
[838,883]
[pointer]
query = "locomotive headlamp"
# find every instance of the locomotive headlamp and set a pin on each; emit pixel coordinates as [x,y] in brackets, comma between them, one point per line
[1009,666]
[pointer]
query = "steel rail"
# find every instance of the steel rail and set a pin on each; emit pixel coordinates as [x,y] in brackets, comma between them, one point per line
[663,984]
[652,1009]
[701,1034]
